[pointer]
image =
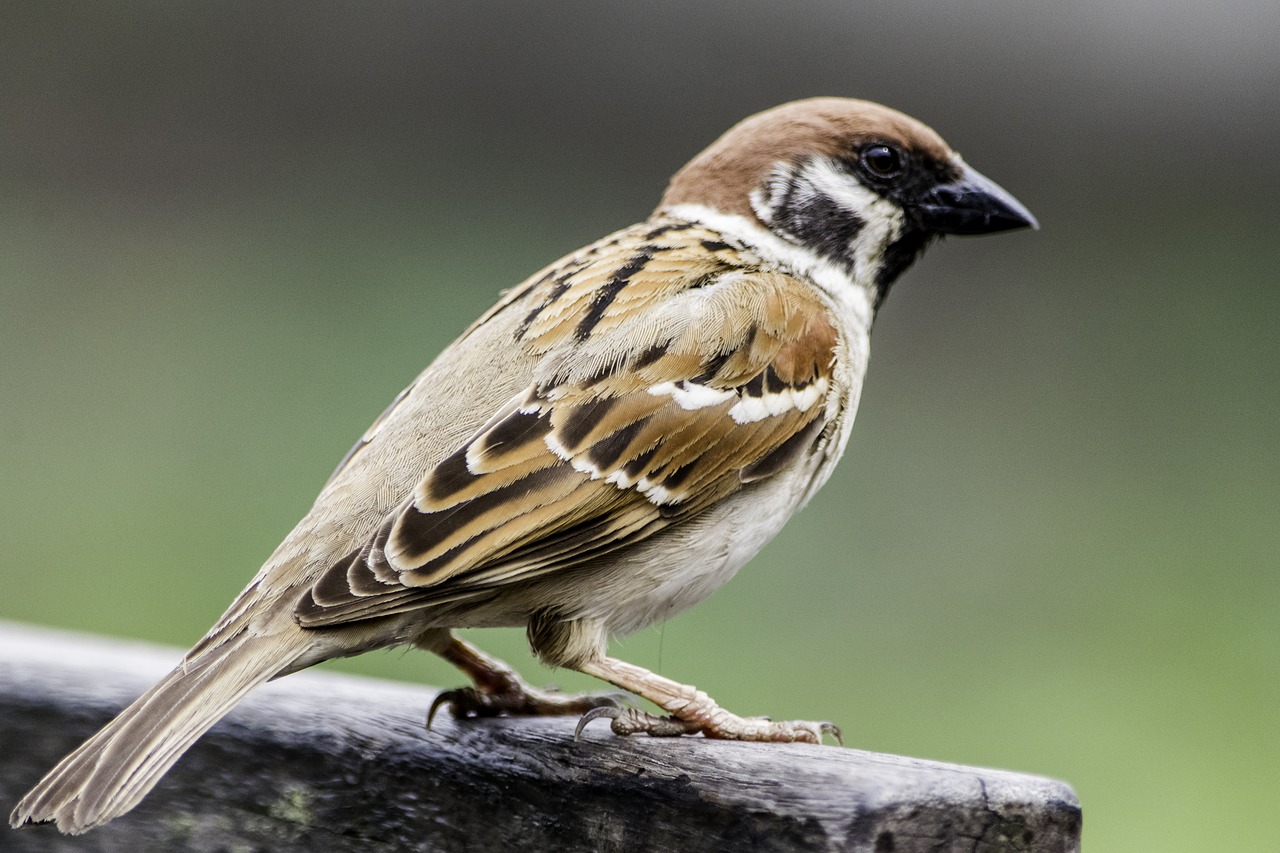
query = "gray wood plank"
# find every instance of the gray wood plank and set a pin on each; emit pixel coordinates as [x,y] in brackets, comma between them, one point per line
[321,761]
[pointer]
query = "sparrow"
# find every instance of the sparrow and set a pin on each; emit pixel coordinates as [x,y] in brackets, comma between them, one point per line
[603,448]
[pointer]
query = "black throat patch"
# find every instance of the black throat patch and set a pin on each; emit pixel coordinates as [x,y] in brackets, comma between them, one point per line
[898,256]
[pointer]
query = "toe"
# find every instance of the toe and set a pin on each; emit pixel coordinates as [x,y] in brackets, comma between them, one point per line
[611,711]
[630,721]
[463,702]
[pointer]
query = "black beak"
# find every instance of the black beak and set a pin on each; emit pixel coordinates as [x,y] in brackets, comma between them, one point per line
[971,204]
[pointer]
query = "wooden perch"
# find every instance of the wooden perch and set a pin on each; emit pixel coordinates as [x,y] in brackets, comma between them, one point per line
[320,762]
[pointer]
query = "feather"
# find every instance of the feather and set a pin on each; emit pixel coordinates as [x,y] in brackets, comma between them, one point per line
[665,380]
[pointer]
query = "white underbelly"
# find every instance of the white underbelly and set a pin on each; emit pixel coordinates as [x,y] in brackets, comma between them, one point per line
[684,565]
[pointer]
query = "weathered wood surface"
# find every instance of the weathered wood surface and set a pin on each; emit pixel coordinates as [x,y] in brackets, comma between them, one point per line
[325,762]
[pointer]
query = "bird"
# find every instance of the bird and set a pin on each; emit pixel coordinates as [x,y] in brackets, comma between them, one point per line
[603,448]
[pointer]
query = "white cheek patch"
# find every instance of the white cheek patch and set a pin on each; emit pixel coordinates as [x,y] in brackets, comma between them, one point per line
[826,178]
[882,219]
[765,200]
[879,232]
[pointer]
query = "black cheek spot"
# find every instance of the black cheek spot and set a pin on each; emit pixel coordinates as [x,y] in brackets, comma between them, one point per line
[819,223]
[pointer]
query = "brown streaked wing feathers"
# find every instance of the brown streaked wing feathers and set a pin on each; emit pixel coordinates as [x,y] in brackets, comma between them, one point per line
[601,451]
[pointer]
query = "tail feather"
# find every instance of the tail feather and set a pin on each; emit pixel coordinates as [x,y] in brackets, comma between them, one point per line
[112,771]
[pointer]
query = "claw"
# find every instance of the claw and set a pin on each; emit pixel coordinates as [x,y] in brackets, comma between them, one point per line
[611,711]
[629,721]
[470,702]
[441,698]
[832,729]
[463,702]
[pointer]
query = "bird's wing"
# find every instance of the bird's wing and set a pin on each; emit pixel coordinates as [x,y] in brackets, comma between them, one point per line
[666,379]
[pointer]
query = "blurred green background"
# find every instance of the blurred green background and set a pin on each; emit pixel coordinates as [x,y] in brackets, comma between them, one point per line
[229,233]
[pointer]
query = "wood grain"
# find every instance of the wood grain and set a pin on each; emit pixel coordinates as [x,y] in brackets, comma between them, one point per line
[320,761]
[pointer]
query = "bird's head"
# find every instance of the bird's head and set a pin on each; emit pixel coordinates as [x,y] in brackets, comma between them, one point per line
[857,184]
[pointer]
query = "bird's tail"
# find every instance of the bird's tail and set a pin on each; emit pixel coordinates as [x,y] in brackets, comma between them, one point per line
[112,771]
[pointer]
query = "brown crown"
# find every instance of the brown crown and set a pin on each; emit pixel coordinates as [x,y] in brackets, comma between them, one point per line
[724,174]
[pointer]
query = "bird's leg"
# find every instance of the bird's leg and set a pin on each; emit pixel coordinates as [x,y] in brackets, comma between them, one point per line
[498,689]
[691,710]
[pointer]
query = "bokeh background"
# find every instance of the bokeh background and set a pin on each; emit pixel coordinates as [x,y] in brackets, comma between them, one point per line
[229,233]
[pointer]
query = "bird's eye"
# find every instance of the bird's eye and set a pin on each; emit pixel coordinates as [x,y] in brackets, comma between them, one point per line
[883,161]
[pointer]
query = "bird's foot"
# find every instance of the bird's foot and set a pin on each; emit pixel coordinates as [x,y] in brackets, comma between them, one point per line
[722,725]
[691,711]
[499,689]
[516,699]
